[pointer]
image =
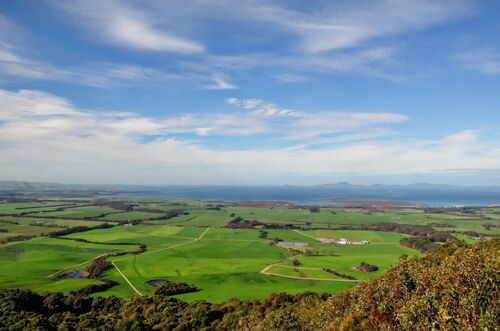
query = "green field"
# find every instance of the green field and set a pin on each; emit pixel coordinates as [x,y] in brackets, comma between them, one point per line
[81,212]
[197,248]
[130,216]
[29,264]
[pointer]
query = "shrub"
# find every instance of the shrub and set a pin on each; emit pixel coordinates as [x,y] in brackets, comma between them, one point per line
[172,288]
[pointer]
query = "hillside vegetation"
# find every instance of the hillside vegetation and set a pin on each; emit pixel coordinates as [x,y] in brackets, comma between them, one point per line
[455,288]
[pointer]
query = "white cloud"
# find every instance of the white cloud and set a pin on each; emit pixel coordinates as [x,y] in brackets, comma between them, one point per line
[44,137]
[344,29]
[319,37]
[318,127]
[16,66]
[333,25]
[220,83]
[260,107]
[483,60]
[371,61]
[119,23]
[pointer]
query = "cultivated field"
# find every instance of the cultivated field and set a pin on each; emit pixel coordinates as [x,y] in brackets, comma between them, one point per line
[226,251]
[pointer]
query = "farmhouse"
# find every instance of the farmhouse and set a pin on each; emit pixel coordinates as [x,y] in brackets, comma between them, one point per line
[344,241]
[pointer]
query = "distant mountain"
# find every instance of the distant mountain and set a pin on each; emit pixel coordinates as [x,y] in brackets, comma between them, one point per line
[339,184]
[13,185]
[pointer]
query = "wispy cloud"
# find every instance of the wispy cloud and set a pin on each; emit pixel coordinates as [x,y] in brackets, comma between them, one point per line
[18,64]
[127,24]
[320,37]
[484,60]
[260,107]
[320,26]
[220,83]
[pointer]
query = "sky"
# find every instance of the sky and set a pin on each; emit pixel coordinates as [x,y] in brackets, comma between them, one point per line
[250,92]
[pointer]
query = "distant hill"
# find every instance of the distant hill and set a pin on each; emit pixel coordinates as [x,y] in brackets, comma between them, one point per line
[25,186]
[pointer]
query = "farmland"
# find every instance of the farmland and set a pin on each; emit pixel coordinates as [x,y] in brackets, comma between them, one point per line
[225,250]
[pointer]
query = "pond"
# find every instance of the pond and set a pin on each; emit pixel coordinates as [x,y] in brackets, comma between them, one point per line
[155,281]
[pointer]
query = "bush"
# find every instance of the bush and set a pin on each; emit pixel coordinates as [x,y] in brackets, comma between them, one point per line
[421,244]
[365,267]
[172,288]
[97,267]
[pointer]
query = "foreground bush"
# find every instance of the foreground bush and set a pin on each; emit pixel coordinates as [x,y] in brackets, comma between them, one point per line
[168,287]
[456,288]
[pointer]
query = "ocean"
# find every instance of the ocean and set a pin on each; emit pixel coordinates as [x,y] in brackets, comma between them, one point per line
[428,195]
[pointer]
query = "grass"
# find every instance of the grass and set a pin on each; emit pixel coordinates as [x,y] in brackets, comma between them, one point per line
[208,265]
[24,207]
[82,212]
[373,237]
[130,216]
[303,273]
[200,217]
[224,263]
[34,226]
[381,255]
[28,264]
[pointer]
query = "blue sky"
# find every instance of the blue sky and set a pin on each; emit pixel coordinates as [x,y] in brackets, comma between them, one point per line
[259,92]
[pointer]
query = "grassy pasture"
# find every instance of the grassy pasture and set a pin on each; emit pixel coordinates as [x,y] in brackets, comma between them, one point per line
[150,235]
[224,263]
[23,229]
[130,216]
[381,255]
[54,221]
[82,212]
[214,267]
[25,225]
[200,217]
[28,264]
[374,237]
[25,207]
[301,272]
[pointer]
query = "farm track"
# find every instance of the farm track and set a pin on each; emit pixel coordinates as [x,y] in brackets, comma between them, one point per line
[278,264]
[312,278]
[170,247]
[304,268]
[202,235]
[83,263]
[239,240]
[306,235]
[126,279]
[193,240]
[265,270]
